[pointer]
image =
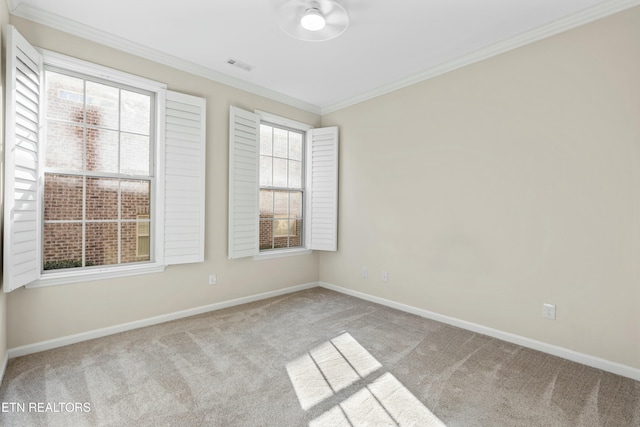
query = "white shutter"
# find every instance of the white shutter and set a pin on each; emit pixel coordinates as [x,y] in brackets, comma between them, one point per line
[322,189]
[21,215]
[244,190]
[184,181]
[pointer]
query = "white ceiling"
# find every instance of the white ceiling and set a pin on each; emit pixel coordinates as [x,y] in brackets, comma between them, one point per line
[389,43]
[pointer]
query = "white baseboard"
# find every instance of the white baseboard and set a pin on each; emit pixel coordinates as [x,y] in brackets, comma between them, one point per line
[97,333]
[585,359]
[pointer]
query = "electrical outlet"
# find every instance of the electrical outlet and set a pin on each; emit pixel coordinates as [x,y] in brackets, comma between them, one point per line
[549,311]
[213,279]
[385,276]
[364,273]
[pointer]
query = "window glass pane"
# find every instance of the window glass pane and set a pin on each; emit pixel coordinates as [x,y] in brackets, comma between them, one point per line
[136,112]
[295,174]
[62,197]
[134,154]
[102,150]
[295,204]
[295,146]
[266,171]
[295,239]
[281,227]
[266,234]
[102,198]
[143,225]
[102,105]
[64,98]
[266,140]
[101,243]
[279,172]
[280,146]
[293,232]
[281,203]
[135,198]
[65,146]
[144,248]
[128,236]
[136,244]
[266,204]
[62,246]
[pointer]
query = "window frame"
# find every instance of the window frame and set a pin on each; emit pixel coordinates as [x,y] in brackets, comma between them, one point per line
[86,175]
[289,190]
[73,66]
[270,119]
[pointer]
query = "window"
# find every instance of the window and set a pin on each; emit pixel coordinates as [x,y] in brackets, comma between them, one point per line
[98,171]
[283,185]
[108,181]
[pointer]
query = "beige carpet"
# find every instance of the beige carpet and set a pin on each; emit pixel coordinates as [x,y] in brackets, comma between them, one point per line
[312,358]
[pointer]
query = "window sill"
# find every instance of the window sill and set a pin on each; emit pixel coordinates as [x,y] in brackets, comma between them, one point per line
[282,253]
[64,278]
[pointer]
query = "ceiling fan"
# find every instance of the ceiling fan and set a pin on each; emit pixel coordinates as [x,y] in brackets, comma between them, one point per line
[313,20]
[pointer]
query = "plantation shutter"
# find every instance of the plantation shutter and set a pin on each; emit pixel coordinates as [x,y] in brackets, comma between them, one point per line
[21,217]
[244,155]
[184,192]
[322,189]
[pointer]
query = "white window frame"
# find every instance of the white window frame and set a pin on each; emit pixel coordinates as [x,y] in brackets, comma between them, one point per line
[150,178]
[178,161]
[282,122]
[62,63]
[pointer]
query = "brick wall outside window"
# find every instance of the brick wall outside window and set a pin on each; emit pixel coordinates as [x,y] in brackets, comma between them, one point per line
[266,235]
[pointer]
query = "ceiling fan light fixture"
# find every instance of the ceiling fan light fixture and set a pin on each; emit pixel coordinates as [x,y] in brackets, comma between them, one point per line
[313,20]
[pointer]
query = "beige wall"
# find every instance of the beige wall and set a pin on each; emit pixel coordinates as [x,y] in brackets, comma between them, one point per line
[505,184]
[36,315]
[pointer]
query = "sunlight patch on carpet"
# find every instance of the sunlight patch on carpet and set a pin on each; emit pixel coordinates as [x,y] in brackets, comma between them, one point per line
[333,366]
[329,368]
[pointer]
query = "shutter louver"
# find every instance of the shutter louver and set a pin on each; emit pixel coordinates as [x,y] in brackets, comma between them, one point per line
[184,192]
[322,190]
[21,241]
[244,152]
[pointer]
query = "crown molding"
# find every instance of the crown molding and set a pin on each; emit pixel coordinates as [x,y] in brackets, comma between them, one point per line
[13,4]
[586,16]
[58,22]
